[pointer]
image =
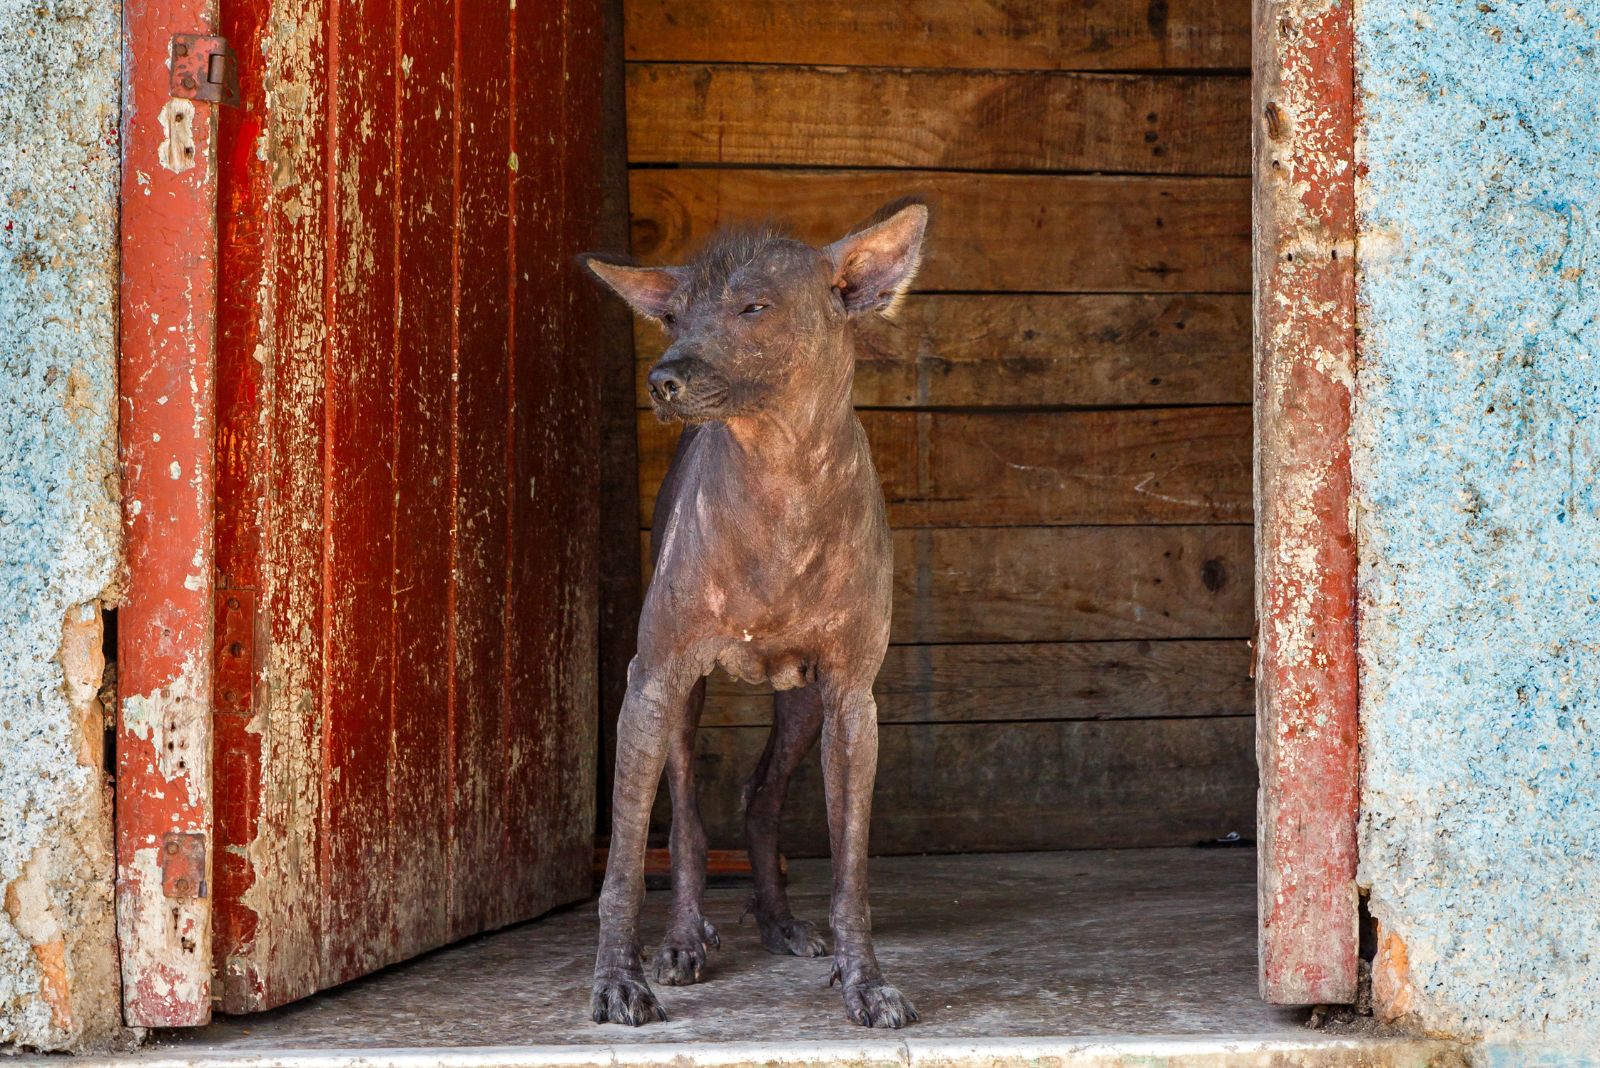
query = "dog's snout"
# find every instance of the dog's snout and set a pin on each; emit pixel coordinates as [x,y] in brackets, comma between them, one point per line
[667,382]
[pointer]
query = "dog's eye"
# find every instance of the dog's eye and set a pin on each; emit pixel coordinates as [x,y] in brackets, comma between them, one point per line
[669,319]
[753,309]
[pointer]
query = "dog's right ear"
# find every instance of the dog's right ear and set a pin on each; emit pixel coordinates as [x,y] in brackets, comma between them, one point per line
[648,290]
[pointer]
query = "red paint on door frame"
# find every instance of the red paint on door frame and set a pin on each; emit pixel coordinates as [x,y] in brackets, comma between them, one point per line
[1305,349]
[165,621]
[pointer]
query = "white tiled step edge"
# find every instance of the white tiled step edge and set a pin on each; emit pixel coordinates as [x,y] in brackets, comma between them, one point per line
[1207,1052]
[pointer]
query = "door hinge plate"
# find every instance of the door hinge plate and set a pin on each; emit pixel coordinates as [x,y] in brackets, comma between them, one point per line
[204,68]
[183,864]
[233,666]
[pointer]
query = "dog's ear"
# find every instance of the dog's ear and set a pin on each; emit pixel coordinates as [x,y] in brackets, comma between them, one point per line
[648,290]
[875,263]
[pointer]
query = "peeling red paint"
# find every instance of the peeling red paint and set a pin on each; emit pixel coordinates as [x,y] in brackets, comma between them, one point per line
[165,622]
[1306,553]
[405,476]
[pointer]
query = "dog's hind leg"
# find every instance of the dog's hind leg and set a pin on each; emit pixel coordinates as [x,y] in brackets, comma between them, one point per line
[796,725]
[689,936]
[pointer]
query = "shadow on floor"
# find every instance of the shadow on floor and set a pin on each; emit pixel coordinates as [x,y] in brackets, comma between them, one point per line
[1094,943]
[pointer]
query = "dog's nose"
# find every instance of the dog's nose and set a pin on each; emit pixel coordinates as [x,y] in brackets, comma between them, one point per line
[666,383]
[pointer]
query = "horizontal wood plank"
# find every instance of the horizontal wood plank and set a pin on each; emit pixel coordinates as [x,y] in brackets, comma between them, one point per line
[1021,34]
[1024,681]
[1065,584]
[1102,350]
[989,233]
[982,787]
[991,469]
[958,120]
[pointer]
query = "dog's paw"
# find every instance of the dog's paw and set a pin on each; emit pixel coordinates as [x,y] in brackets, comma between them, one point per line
[682,956]
[624,999]
[874,1003]
[799,937]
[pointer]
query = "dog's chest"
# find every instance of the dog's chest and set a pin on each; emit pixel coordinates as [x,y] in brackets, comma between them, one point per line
[756,662]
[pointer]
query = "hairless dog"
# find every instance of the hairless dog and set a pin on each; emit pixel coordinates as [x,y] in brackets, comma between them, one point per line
[772,559]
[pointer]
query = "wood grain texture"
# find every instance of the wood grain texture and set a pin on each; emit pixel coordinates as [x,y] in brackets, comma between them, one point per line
[990,232]
[1063,584]
[1030,681]
[269,946]
[423,506]
[1030,34]
[541,440]
[357,841]
[551,694]
[955,120]
[1011,350]
[246,242]
[973,787]
[1070,584]
[619,450]
[483,508]
[400,804]
[993,469]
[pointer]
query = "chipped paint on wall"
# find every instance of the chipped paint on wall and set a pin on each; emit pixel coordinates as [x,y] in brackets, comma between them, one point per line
[1477,453]
[58,519]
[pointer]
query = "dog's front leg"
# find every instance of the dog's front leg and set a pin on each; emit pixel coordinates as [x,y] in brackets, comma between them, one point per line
[656,696]
[849,767]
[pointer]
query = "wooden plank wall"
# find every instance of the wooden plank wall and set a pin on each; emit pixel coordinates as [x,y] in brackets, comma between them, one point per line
[1061,414]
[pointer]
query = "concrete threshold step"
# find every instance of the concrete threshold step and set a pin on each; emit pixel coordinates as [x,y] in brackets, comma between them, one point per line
[1238,1051]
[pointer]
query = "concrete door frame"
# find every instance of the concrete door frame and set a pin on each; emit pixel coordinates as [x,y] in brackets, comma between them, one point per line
[1305,348]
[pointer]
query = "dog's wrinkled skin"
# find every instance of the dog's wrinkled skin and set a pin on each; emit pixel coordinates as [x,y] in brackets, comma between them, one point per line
[773,560]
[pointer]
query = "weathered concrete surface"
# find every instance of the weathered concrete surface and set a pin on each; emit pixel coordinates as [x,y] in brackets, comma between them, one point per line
[1068,960]
[1477,444]
[1090,943]
[58,516]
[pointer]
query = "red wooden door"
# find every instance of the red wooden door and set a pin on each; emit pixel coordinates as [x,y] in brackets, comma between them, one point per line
[405,701]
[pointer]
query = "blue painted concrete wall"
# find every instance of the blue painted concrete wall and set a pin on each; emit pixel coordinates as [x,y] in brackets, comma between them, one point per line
[1478,441]
[58,516]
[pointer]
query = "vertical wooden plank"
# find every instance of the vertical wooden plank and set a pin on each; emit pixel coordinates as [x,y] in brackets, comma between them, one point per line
[1306,559]
[165,624]
[285,960]
[425,47]
[244,237]
[533,561]
[269,498]
[572,804]
[620,580]
[482,89]
[359,493]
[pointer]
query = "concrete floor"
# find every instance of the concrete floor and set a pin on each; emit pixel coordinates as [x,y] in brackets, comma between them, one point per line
[1139,942]
[1044,960]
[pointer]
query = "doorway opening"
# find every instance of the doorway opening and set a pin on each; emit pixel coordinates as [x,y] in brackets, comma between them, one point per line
[1061,413]
[435,470]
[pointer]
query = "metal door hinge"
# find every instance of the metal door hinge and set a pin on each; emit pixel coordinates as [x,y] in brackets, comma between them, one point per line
[183,864]
[204,68]
[233,670]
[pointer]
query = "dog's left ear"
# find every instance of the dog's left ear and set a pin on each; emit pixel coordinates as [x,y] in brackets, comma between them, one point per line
[875,264]
[648,290]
